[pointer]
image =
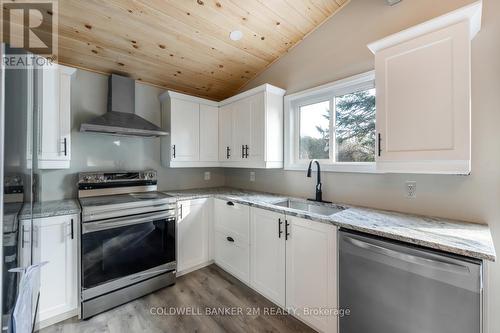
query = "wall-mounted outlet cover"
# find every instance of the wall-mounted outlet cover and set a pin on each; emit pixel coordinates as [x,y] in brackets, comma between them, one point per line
[207,175]
[411,189]
[252,176]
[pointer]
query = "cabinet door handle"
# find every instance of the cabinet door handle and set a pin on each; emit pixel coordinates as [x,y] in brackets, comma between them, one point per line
[180,212]
[246,151]
[230,239]
[379,144]
[279,227]
[65,142]
[242,151]
[230,203]
[72,229]
[286,229]
[173,151]
[22,236]
[228,155]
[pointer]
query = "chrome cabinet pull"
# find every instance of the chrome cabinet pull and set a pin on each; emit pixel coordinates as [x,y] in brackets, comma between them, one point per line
[279,227]
[242,151]
[65,147]
[173,151]
[72,230]
[228,154]
[246,151]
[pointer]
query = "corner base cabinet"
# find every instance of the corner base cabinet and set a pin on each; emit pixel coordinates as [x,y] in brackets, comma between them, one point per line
[193,234]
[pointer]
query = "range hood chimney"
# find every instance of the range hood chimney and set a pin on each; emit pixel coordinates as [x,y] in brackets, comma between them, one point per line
[120,118]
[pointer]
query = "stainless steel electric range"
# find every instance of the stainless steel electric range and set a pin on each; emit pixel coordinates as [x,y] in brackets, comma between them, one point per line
[127,246]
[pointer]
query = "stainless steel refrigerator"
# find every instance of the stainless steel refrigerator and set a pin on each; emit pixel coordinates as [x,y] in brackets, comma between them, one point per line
[18,170]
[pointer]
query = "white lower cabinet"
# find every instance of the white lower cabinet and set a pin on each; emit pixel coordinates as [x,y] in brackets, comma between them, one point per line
[311,272]
[267,254]
[193,234]
[297,270]
[56,242]
[231,240]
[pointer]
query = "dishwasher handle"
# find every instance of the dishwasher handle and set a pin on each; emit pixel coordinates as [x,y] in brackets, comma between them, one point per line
[410,258]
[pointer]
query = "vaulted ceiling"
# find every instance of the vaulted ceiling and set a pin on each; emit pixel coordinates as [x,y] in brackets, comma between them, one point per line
[184,45]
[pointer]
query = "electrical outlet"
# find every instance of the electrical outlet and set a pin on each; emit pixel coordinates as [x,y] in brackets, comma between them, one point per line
[411,189]
[207,175]
[252,176]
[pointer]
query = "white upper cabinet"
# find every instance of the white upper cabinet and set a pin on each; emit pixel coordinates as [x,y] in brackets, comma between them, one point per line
[54,123]
[226,149]
[209,122]
[244,131]
[193,124]
[251,129]
[424,96]
[185,130]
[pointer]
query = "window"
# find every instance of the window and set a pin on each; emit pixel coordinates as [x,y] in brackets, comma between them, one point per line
[334,124]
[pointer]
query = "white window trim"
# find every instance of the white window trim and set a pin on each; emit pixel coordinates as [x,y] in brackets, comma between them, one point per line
[293,101]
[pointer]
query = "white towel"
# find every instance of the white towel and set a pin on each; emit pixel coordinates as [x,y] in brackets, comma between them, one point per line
[28,286]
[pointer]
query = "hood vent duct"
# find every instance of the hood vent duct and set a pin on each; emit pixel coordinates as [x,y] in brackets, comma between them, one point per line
[120,118]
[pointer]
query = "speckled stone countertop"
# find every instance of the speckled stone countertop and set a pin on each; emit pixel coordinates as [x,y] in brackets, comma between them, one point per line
[463,238]
[50,208]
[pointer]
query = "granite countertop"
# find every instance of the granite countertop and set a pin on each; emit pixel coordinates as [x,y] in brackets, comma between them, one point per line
[50,208]
[463,238]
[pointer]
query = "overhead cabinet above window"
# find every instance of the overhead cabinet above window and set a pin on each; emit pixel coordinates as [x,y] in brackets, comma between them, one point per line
[244,131]
[423,95]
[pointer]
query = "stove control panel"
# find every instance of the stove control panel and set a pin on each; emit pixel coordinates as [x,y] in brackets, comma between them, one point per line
[149,176]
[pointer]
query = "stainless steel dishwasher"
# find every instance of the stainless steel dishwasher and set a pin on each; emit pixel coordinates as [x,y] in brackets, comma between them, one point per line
[391,287]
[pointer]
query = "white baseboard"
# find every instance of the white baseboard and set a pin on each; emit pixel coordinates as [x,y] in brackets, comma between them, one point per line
[56,319]
[195,268]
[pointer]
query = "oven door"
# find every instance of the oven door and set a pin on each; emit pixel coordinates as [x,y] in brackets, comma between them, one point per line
[122,251]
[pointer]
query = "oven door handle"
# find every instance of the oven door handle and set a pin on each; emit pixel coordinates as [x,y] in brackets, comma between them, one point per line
[125,221]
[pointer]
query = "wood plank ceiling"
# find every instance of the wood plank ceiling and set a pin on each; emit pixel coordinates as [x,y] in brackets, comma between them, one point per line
[184,45]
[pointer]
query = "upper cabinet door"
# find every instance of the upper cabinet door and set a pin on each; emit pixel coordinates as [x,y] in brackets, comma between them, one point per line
[257,137]
[54,123]
[226,152]
[242,120]
[209,133]
[424,95]
[185,130]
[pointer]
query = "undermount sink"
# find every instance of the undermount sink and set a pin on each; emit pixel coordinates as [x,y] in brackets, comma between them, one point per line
[310,207]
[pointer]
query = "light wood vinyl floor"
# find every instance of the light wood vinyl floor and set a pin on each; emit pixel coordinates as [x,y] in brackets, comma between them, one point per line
[200,292]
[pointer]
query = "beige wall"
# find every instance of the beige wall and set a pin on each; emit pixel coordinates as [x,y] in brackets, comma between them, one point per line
[337,50]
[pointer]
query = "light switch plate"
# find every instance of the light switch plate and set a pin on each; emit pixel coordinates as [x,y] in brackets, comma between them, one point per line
[207,175]
[252,176]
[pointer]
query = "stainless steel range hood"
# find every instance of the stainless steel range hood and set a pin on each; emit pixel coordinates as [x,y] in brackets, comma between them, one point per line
[120,119]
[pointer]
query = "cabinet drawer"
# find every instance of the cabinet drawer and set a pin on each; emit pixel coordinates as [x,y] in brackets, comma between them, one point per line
[232,217]
[233,256]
